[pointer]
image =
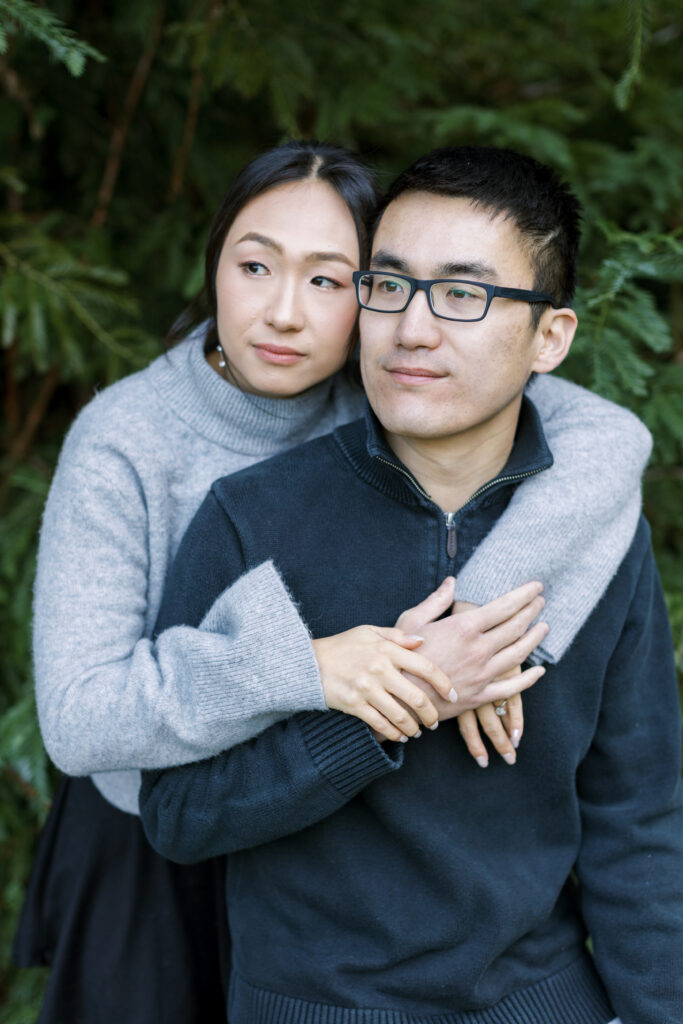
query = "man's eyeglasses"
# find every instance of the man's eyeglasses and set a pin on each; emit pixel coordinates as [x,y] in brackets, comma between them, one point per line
[449,299]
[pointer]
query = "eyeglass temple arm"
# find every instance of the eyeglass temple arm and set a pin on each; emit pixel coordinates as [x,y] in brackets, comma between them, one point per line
[524,295]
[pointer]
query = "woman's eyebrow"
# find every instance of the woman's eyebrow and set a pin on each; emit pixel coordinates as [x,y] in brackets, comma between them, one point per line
[329,257]
[254,236]
[311,257]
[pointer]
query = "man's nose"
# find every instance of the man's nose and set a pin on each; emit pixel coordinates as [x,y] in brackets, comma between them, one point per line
[284,310]
[417,326]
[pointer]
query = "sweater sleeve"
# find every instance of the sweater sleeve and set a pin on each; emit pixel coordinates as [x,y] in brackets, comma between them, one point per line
[109,697]
[630,866]
[570,526]
[290,776]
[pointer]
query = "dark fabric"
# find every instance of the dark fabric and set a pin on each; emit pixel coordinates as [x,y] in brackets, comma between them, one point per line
[131,938]
[418,886]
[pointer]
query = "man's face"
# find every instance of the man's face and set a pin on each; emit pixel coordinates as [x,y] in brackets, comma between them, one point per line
[431,378]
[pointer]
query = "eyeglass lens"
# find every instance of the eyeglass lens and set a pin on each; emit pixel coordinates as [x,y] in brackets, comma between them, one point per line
[390,293]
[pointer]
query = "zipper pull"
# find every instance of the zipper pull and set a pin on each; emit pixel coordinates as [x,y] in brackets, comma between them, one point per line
[451,535]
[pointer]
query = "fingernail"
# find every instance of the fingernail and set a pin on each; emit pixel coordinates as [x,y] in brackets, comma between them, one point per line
[514,739]
[482,761]
[509,758]
[403,739]
[413,636]
[417,734]
[452,696]
[433,727]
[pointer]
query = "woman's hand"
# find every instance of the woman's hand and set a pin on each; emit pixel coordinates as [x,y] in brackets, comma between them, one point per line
[362,675]
[504,731]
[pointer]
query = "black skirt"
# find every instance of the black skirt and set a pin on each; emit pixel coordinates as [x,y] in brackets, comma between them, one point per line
[130,937]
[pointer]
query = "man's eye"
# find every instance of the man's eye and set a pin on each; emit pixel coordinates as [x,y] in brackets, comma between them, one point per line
[388,285]
[254,269]
[461,293]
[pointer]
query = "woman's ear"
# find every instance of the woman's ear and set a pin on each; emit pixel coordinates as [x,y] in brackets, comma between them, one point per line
[556,330]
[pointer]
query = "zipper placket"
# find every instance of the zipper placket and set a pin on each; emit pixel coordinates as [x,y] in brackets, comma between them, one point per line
[449,517]
[407,475]
[502,480]
[451,534]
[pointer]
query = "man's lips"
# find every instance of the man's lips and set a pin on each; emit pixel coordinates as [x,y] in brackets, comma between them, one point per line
[414,374]
[281,355]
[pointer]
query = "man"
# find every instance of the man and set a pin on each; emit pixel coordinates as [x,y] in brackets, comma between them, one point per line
[394,884]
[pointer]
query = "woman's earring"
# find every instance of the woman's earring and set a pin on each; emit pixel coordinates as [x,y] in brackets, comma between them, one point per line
[221,362]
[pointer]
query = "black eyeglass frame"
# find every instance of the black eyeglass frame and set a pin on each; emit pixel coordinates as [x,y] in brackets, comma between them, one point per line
[416,285]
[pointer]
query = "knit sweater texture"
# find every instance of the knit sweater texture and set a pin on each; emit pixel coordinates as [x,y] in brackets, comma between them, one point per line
[134,468]
[403,884]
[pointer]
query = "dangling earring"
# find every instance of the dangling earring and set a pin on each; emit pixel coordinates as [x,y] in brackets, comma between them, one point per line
[221,362]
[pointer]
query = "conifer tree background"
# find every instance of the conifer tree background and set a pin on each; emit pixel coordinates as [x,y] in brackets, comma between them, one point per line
[120,128]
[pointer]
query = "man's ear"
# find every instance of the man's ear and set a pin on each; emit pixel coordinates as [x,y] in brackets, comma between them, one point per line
[556,332]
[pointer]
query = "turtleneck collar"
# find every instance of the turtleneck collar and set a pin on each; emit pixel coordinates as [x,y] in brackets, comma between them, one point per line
[364,445]
[240,422]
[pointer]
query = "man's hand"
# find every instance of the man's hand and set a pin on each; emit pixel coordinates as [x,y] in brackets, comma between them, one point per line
[477,648]
[504,731]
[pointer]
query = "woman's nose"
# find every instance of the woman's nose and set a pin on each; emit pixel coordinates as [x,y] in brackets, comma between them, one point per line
[284,311]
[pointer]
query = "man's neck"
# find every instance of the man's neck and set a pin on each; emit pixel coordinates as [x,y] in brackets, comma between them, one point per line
[450,469]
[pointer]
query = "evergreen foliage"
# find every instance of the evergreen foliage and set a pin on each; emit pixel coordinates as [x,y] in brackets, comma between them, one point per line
[108,182]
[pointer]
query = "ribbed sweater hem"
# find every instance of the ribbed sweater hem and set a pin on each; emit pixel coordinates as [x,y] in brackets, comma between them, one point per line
[573,995]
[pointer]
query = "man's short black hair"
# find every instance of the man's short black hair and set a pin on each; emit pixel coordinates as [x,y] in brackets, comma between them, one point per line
[543,207]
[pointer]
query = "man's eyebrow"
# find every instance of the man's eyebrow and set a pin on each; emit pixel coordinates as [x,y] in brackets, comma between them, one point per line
[383,259]
[475,269]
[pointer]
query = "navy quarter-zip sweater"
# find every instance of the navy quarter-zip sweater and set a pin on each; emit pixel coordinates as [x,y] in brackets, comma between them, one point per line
[403,884]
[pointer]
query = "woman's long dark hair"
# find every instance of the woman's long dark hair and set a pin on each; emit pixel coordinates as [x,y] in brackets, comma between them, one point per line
[294,161]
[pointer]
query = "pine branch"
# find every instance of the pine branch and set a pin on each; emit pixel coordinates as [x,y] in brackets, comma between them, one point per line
[16,90]
[120,131]
[638,16]
[35,417]
[12,404]
[43,25]
[183,151]
[64,293]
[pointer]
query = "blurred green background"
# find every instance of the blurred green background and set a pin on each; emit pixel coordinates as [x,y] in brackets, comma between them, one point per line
[122,124]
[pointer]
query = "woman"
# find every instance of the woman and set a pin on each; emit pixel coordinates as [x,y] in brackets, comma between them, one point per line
[129,936]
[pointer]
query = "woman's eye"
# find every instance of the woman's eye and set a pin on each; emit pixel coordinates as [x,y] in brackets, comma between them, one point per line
[254,269]
[324,282]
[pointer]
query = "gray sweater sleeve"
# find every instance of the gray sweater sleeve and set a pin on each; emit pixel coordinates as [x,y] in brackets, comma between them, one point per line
[570,526]
[108,697]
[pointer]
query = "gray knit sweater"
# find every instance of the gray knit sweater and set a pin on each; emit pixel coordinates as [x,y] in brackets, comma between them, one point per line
[134,468]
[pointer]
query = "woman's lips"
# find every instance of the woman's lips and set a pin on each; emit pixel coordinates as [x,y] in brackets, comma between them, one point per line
[281,355]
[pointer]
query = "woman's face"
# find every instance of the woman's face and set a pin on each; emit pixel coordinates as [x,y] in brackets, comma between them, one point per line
[286,304]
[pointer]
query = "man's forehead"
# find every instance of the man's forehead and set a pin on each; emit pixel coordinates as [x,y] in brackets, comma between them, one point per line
[445,236]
